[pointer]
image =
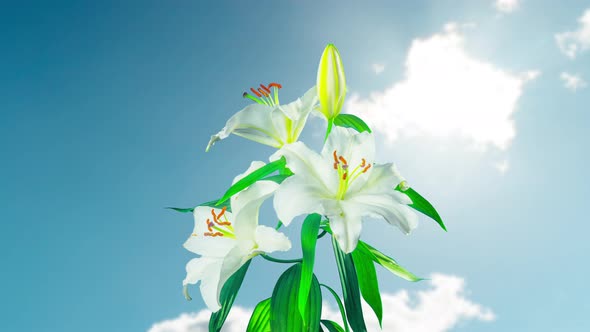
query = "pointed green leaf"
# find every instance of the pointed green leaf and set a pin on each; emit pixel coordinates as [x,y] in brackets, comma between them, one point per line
[340,305]
[260,319]
[251,178]
[386,261]
[351,121]
[332,326]
[309,238]
[228,295]
[210,203]
[350,288]
[276,178]
[284,311]
[368,283]
[420,204]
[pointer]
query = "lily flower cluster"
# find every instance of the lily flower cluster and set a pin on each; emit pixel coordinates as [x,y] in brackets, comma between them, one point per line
[336,189]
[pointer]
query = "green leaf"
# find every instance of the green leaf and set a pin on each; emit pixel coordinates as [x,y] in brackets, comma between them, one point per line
[284,311]
[420,204]
[181,210]
[368,283]
[251,178]
[309,238]
[386,261]
[276,178]
[350,288]
[260,319]
[351,121]
[340,305]
[228,295]
[332,326]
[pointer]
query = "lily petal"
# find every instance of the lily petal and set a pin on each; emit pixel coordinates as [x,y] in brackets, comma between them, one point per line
[207,270]
[204,245]
[237,257]
[298,195]
[246,207]
[269,240]
[346,224]
[255,123]
[351,145]
[253,166]
[387,206]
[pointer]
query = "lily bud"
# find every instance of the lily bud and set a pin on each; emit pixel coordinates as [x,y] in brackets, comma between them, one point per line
[331,82]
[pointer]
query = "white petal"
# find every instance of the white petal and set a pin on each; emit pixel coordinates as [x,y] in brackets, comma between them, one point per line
[353,146]
[268,240]
[309,164]
[208,271]
[253,166]
[232,263]
[380,179]
[254,123]
[246,205]
[205,245]
[387,206]
[302,106]
[298,195]
[346,224]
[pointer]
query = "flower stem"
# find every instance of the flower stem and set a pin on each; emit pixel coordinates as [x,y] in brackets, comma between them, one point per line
[284,261]
[329,129]
[322,234]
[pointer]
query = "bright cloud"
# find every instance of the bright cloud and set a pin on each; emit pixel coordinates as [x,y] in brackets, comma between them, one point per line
[571,43]
[437,309]
[506,6]
[378,68]
[572,81]
[446,93]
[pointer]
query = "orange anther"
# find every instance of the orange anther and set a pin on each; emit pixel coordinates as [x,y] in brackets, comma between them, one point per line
[367,168]
[222,212]
[335,165]
[264,88]
[276,85]
[213,234]
[335,157]
[263,92]
[363,163]
[256,93]
[209,224]
[343,160]
[344,176]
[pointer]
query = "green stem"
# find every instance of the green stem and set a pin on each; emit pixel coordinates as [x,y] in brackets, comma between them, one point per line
[324,232]
[329,129]
[284,261]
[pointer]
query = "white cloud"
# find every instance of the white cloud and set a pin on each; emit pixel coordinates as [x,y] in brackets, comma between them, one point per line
[502,166]
[571,43]
[437,309]
[506,6]
[572,81]
[446,93]
[378,68]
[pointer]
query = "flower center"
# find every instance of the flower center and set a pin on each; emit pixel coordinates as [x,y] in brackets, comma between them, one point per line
[265,95]
[220,226]
[345,176]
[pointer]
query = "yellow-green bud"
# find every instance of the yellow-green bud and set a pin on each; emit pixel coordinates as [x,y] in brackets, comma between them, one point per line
[331,82]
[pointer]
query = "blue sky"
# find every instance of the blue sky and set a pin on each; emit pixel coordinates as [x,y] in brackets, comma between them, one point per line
[106,109]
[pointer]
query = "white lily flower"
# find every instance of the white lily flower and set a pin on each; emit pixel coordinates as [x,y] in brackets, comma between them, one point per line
[226,241]
[343,184]
[267,121]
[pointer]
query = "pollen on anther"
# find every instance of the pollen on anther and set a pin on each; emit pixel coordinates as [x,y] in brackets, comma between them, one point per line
[276,85]
[344,176]
[342,160]
[335,157]
[366,168]
[335,165]
[265,88]
[263,92]
[213,234]
[363,163]
[256,92]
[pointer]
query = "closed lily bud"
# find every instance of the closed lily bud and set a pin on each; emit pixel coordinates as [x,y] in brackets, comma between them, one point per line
[331,83]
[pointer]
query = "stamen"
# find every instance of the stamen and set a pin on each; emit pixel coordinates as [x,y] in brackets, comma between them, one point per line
[343,160]
[367,168]
[216,218]
[335,158]
[256,93]
[335,165]
[265,88]
[344,176]
[363,163]
[263,92]
[276,85]
[209,225]
[213,234]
